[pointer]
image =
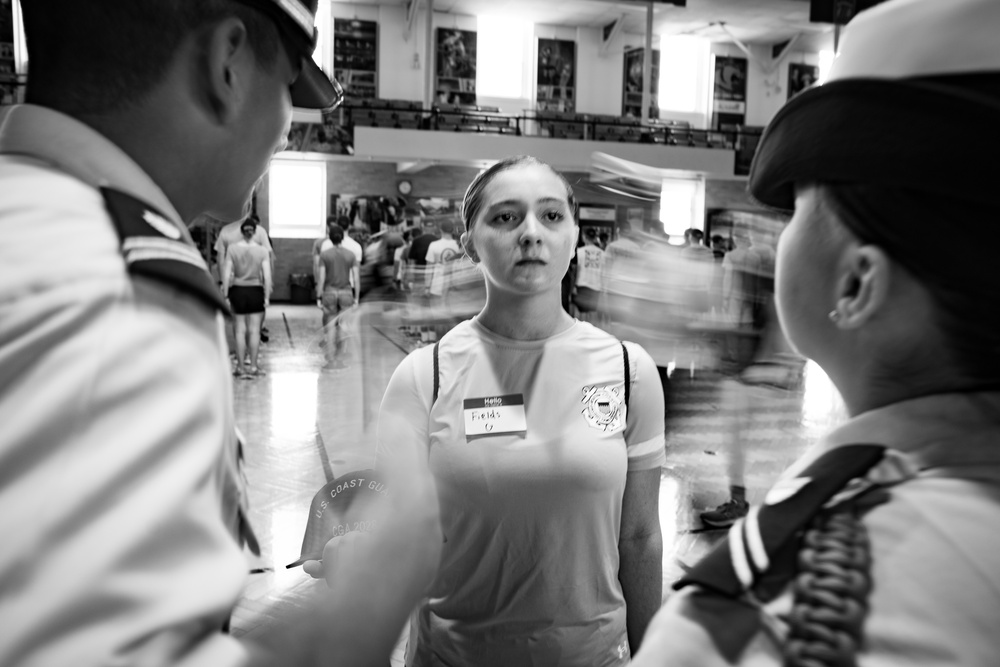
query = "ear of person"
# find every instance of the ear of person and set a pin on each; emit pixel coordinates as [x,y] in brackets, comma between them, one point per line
[223,64]
[864,288]
[470,248]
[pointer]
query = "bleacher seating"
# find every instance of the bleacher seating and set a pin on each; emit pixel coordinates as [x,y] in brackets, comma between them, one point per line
[384,113]
[383,118]
[409,119]
[561,124]
[361,117]
[471,118]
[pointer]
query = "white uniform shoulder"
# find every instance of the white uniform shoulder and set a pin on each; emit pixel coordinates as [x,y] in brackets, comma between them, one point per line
[46,212]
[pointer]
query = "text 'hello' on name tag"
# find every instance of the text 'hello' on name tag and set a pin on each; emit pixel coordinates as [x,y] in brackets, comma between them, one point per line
[495,415]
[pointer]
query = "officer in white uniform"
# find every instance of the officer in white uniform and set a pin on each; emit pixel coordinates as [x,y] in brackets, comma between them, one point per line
[121,496]
[881,546]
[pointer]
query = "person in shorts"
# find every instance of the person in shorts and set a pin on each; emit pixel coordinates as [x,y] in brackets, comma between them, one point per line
[246,282]
[336,267]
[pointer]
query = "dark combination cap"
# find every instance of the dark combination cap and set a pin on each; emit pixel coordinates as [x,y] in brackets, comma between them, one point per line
[296,19]
[911,101]
[909,111]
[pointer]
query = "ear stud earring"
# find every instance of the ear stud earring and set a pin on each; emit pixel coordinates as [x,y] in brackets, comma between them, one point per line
[834,315]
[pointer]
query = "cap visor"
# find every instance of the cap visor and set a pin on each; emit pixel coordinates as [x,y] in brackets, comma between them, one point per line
[314,89]
[303,559]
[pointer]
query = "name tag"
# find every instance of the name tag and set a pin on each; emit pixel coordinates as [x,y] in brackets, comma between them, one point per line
[495,415]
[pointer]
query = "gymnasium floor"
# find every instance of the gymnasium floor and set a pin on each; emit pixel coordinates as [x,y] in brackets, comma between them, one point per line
[304,425]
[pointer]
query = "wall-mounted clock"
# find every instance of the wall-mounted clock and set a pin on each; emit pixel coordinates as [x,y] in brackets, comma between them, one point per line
[404,187]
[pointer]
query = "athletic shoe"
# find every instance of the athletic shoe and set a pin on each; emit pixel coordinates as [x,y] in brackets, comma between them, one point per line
[725,514]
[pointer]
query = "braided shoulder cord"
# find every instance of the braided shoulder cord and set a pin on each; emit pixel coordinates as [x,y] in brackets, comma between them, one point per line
[830,591]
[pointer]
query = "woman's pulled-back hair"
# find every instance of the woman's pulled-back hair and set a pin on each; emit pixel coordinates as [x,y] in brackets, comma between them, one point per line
[472,203]
[93,58]
[912,226]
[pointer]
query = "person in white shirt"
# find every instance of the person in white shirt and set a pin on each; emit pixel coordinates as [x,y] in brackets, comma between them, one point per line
[440,254]
[232,233]
[120,487]
[546,438]
[881,545]
[351,244]
[589,273]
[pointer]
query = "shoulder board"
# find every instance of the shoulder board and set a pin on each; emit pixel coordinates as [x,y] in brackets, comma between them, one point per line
[737,564]
[156,248]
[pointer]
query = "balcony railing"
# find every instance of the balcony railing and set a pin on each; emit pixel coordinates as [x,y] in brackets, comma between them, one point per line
[338,128]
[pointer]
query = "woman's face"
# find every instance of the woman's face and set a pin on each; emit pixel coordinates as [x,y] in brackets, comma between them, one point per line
[524,234]
[806,272]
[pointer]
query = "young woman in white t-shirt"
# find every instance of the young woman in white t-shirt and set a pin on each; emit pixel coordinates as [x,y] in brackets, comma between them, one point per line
[545,438]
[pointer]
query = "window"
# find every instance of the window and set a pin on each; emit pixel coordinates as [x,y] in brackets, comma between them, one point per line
[682,206]
[297,199]
[501,44]
[684,74]
[825,63]
[323,54]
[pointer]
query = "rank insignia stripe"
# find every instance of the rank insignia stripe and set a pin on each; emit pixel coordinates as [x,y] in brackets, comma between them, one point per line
[134,217]
[183,276]
[139,248]
[785,489]
[155,247]
[161,224]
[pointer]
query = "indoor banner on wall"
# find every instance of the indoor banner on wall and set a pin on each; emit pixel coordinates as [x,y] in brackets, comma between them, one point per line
[556,80]
[330,136]
[800,77]
[729,97]
[456,67]
[355,57]
[632,77]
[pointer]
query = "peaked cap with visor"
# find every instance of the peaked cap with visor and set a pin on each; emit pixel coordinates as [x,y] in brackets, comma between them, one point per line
[912,100]
[907,124]
[313,89]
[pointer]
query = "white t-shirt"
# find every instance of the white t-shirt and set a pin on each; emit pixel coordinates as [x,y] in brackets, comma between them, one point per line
[529,571]
[232,233]
[589,266]
[439,253]
[350,244]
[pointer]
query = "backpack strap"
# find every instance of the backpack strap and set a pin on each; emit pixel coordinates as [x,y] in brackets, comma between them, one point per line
[628,375]
[437,378]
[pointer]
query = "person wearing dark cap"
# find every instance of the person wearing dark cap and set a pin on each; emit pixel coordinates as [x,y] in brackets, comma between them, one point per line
[881,546]
[120,485]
